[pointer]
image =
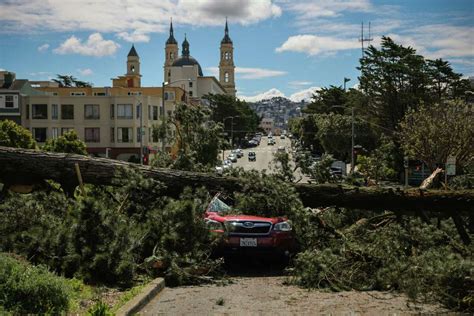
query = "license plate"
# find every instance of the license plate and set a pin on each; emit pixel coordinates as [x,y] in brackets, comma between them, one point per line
[248,242]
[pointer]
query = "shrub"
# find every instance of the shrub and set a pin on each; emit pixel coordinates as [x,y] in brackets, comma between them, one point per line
[67,143]
[14,135]
[31,289]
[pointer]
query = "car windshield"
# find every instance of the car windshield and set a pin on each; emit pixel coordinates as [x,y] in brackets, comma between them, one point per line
[217,205]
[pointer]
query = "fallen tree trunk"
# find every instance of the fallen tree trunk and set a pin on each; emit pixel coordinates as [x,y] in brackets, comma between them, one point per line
[22,166]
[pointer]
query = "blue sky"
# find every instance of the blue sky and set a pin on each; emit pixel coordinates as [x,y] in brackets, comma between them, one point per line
[282,47]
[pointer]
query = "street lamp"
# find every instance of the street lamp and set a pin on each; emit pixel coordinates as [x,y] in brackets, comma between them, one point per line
[346,80]
[163,85]
[231,132]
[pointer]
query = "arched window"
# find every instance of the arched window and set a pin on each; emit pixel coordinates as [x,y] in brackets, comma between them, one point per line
[226,77]
[132,68]
[227,55]
[172,55]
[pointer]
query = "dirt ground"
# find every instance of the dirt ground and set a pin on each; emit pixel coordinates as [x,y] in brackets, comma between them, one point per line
[265,295]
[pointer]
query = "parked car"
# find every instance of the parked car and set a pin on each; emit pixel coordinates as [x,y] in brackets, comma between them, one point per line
[252,156]
[249,234]
[281,149]
[282,137]
[240,153]
[232,157]
[271,141]
[227,164]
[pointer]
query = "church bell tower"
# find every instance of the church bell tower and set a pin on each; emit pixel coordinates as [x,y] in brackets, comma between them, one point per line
[226,64]
[171,53]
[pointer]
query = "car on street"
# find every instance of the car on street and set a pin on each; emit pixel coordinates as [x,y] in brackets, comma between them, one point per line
[246,234]
[239,152]
[282,137]
[271,141]
[281,149]
[252,156]
[227,164]
[232,157]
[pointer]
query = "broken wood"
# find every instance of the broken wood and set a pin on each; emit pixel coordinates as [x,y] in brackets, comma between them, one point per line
[428,182]
[23,166]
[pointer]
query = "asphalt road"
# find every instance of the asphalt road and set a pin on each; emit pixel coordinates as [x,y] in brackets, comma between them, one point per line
[264,154]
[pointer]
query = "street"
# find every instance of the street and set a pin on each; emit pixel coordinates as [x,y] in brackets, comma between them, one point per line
[264,154]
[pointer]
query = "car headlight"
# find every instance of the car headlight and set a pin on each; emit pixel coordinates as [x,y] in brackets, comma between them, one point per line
[214,225]
[283,226]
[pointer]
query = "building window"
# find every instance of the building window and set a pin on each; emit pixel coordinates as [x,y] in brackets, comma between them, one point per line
[92,135]
[169,96]
[67,111]
[54,111]
[155,112]
[91,111]
[190,84]
[172,55]
[124,134]
[132,68]
[134,93]
[112,111]
[190,93]
[40,111]
[9,101]
[226,77]
[39,134]
[227,55]
[112,135]
[78,94]
[55,132]
[64,130]
[100,94]
[124,111]
[27,111]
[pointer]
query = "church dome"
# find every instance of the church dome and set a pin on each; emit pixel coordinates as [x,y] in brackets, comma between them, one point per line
[187,61]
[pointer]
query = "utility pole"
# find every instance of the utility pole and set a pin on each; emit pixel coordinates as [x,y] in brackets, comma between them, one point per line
[140,106]
[363,39]
[352,146]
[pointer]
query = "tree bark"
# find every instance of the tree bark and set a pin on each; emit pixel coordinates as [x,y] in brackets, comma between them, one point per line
[23,166]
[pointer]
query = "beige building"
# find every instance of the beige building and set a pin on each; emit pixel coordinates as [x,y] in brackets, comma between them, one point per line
[185,71]
[108,119]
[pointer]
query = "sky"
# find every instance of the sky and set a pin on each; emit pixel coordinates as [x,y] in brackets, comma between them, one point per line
[281,47]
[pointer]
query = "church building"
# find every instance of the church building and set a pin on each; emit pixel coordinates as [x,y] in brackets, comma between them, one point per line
[185,72]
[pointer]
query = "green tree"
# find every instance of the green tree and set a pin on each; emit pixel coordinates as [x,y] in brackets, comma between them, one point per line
[245,119]
[14,135]
[328,100]
[282,163]
[335,134]
[197,141]
[67,143]
[380,164]
[67,81]
[396,79]
[432,133]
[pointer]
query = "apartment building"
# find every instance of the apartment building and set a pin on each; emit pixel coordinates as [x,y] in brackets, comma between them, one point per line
[109,120]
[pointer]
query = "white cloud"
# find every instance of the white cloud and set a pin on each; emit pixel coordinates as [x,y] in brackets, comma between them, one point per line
[95,45]
[272,93]
[43,48]
[323,8]
[257,73]
[131,19]
[298,83]
[304,95]
[85,72]
[134,37]
[317,45]
[249,73]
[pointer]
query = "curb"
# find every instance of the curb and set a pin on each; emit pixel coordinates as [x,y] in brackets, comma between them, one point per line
[145,296]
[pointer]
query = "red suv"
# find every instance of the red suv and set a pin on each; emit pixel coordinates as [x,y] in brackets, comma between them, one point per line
[249,234]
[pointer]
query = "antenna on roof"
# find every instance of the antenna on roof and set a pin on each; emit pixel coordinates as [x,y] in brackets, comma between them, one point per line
[363,39]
